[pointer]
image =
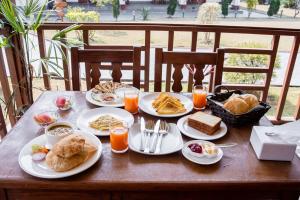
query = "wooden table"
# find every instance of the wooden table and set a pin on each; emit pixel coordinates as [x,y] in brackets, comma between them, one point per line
[239,175]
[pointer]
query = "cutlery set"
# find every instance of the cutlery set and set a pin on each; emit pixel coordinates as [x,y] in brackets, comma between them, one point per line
[152,134]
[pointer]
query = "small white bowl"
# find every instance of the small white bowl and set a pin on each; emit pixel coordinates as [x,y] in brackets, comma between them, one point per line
[53,139]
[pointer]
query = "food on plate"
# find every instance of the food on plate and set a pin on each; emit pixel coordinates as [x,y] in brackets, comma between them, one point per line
[44,119]
[104,122]
[63,103]
[60,129]
[210,149]
[69,146]
[108,87]
[167,104]
[70,152]
[195,147]
[204,122]
[240,104]
[107,97]
[39,152]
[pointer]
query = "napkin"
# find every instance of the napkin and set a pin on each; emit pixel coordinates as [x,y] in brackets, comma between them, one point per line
[290,133]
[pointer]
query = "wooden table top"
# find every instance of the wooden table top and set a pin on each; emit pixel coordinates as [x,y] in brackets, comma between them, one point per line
[131,171]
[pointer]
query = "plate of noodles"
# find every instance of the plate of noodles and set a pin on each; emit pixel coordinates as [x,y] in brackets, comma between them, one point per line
[97,121]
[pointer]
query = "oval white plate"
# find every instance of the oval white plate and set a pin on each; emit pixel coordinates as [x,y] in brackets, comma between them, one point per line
[145,104]
[201,160]
[88,116]
[171,143]
[89,98]
[198,135]
[41,170]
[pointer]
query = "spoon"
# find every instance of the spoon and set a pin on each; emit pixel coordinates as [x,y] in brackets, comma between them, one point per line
[226,145]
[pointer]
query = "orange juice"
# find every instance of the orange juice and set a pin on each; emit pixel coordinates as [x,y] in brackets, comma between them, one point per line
[131,101]
[119,139]
[199,97]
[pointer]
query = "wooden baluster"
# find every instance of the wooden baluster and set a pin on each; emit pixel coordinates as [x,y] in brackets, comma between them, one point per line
[41,40]
[88,75]
[193,49]
[95,74]
[136,67]
[218,72]
[75,69]
[169,66]
[274,48]
[199,76]
[147,59]
[158,69]
[297,112]
[287,78]
[177,77]
[66,68]
[116,73]
[216,46]
[3,130]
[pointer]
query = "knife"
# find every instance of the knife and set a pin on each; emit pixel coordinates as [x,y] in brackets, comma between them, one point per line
[143,127]
[155,136]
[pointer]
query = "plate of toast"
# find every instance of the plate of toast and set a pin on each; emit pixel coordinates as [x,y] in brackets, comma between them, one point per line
[166,104]
[202,126]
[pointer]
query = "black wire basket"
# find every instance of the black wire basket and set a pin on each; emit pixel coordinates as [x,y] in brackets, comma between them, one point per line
[215,102]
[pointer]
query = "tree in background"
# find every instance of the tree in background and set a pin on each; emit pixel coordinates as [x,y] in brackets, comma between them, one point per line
[248,60]
[116,8]
[208,14]
[171,7]
[225,5]
[277,6]
[251,4]
[274,7]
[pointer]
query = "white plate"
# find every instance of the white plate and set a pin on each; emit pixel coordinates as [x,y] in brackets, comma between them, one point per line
[172,142]
[195,134]
[41,170]
[119,101]
[88,96]
[145,104]
[90,115]
[201,160]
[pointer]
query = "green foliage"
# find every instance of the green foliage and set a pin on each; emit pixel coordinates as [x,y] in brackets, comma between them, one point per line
[289,3]
[172,7]
[248,60]
[274,7]
[145,13]
[225,5]
[251,4]
[76,14]
[100,2]
[116,8]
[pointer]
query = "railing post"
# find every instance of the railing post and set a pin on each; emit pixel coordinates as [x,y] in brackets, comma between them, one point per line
[287,78]
[216,46]
[42,48]
[147,59]
[66,68]
[193,49]
[169,66]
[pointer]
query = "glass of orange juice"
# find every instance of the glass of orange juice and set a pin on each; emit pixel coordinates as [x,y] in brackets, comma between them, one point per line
[199,97]
[119,138]
[131,101]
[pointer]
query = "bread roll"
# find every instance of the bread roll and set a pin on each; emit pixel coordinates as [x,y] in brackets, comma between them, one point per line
[69,146]
[251,100]
[236,106]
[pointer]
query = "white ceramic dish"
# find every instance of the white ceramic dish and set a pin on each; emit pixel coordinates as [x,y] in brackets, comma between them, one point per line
[145,104]
[92,98]
[198,135]
[88,116]
[171,143]
[40,168]
[202,160]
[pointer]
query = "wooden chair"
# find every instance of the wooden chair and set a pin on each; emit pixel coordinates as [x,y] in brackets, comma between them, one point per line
[177,60]
[93,59]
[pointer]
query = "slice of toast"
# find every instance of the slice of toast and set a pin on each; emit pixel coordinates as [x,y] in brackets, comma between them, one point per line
[204,122]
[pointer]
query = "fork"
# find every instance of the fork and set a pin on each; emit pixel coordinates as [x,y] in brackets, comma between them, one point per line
[149,129]
[163,130]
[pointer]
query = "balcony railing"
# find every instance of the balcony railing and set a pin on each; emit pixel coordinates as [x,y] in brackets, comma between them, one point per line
[147,30]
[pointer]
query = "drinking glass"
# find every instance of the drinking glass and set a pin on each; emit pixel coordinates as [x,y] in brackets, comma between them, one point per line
[199,97]
[119,138]
[131,101]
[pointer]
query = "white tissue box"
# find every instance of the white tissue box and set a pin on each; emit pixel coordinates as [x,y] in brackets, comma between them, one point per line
[270,147]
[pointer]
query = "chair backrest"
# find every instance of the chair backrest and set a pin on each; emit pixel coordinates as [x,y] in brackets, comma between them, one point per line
[94,58]
[178,60]
[267,70]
